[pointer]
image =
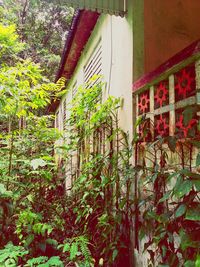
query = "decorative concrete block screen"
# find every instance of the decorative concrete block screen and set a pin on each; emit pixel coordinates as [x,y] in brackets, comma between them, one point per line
[162,97]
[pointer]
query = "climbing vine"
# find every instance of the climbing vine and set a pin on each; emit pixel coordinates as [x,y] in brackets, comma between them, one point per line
[169,199]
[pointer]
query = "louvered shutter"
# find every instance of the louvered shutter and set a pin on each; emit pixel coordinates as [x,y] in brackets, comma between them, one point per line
[74,89]
[57,120]
[64,115]
[94,67]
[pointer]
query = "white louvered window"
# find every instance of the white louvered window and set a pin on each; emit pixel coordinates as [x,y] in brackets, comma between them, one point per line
[94,67]
[57,120]
[64,114]
[74,89]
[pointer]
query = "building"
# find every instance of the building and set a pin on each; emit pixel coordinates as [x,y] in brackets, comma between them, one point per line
[147,52]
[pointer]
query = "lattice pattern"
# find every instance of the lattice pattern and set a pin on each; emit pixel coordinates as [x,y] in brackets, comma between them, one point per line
[143,102]
[163,111]
[185,84]
[185,130]
[145,132]
[161,94]
[161,125]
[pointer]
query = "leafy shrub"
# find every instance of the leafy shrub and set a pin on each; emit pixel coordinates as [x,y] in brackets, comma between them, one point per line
[10,255]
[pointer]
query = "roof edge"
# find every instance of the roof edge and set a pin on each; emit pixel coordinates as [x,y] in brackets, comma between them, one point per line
[68,42]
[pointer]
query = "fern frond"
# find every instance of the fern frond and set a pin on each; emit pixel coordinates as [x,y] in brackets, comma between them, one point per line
[73,250]
[35,261]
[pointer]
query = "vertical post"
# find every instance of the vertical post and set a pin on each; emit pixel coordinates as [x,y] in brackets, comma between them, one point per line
[138,38]
[172,120]
[151,113]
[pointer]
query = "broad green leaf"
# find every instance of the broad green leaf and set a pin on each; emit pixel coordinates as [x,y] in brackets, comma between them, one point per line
[183,189]
[193,214]
[180,211]
[197,184]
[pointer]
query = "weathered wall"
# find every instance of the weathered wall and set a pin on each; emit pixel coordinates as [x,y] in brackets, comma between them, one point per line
[116,38]
[169,27]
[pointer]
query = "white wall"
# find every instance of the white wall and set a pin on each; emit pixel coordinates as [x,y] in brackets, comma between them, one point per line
[116,38]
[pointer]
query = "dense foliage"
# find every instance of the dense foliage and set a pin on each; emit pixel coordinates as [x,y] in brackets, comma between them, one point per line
[42,225]
[169,199]
[42,25]
[101,199]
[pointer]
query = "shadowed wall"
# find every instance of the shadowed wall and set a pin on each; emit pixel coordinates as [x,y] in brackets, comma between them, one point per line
[169,26]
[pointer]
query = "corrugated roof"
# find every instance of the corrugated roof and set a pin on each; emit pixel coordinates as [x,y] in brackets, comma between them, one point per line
[113,7]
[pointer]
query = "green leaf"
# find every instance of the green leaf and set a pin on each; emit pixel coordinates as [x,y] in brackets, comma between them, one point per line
[36,261]
[73,250]
[183,189]
[189,264]
[197,184]
[193,214]
[52,242]
[165,197]
[53,261]
[36,163]
[197,262]
[180,211]
[122,203]
[190,174]
[29,240]
[66,247]
[198,160]
[114,255]
[2,189]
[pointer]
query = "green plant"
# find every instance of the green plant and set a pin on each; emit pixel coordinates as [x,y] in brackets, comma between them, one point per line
[169,202]
[78,250]
[44,262]
[10,255]
[102,157]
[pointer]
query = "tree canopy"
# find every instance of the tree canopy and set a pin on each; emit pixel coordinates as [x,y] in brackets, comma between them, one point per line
[42,26]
